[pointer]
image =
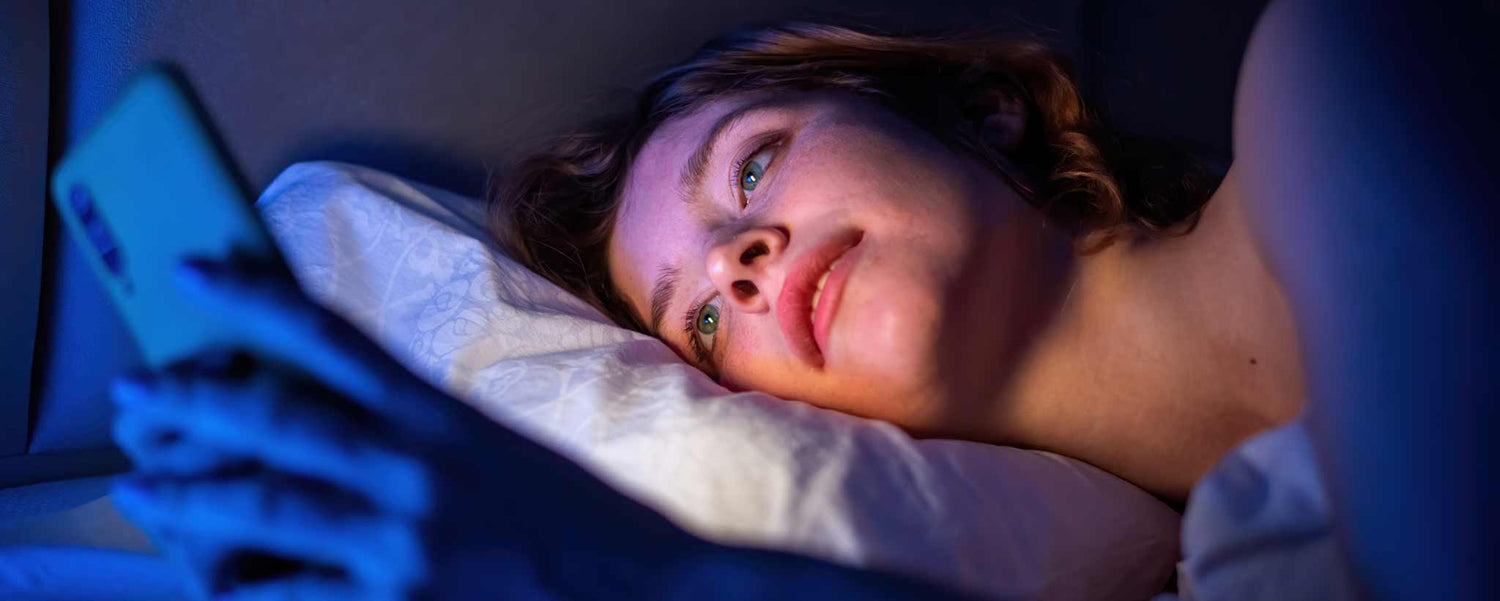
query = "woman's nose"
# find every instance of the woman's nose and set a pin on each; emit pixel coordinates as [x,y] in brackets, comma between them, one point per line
[745,268]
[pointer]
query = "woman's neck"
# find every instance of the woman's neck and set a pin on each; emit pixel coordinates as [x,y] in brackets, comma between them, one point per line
[1164,355]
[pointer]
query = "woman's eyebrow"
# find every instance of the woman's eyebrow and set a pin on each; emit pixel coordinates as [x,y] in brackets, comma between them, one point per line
[690,180]
[667,277]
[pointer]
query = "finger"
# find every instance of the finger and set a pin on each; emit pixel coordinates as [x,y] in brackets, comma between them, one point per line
[273,317]
[140,436]
[283,516]
[156,445]
[216,569]
[265,417]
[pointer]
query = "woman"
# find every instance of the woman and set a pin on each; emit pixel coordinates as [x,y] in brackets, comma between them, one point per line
[991,271]
[929,232]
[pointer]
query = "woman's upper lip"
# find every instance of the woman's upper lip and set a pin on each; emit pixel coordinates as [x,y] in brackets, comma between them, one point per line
[794,305]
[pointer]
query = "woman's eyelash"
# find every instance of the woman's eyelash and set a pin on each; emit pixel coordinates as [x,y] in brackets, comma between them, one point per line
[737,171]
[690,329]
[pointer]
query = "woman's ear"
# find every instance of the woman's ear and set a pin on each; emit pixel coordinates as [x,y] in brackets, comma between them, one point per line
[1004,124]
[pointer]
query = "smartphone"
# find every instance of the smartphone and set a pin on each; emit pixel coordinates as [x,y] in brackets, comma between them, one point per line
[146,189]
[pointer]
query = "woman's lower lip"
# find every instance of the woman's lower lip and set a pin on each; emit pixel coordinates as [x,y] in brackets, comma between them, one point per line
[833,292]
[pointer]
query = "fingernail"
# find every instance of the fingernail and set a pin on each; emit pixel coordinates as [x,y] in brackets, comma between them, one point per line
[130,389]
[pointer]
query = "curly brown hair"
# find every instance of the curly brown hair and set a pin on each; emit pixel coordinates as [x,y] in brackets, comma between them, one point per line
[555,212]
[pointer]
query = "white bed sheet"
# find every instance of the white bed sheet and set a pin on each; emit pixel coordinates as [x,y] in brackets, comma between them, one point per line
[1259,527]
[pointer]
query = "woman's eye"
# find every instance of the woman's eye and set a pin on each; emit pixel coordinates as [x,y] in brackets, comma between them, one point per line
[754,169]
[705,326]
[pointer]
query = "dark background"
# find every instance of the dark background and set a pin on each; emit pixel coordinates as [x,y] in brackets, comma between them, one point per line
[443,91]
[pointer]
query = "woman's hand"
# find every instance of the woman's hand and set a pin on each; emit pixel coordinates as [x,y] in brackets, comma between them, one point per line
[306,462]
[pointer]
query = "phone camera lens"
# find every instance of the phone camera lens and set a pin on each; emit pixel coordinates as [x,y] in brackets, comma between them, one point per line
[83,203]
[98,233]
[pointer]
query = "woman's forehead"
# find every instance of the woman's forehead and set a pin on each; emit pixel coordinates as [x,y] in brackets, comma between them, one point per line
[671,145]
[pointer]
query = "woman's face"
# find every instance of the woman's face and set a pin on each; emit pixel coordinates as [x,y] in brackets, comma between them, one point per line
[819,247]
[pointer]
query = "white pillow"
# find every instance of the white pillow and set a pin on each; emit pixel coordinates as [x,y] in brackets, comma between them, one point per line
[407,264]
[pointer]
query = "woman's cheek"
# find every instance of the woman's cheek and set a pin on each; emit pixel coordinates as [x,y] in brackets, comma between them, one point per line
[751,361]
[890,331]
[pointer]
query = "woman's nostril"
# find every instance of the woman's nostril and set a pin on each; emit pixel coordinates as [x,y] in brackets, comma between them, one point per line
[755,250]
[745,289]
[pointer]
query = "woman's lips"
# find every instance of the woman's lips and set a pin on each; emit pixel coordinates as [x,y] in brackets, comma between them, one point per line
[794,307]
[833,291]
